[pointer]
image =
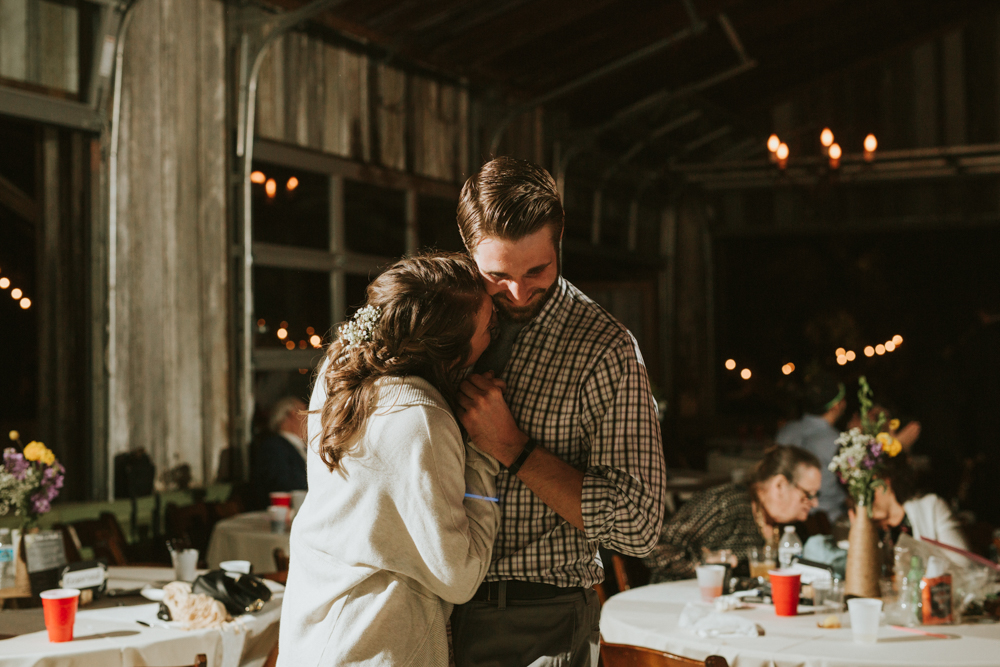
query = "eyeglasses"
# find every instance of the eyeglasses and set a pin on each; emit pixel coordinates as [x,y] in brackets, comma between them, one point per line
[809,496]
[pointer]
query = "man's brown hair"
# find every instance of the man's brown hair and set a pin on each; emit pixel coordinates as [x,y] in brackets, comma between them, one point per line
[509,199]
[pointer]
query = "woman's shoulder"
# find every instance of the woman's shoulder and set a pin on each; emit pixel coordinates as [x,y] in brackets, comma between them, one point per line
[407,391]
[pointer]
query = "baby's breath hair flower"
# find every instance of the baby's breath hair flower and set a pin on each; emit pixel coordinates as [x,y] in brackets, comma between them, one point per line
[360,328]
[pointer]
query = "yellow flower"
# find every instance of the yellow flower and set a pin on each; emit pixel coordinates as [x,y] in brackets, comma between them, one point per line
[14,435]
[894,425]
[894,448]
[37,451]
[884,439]
[48,458]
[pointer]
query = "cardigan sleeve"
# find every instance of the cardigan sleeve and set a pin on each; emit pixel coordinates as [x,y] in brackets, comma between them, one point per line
[448,539]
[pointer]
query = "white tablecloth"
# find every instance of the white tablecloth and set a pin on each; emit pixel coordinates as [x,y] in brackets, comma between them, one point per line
[111,637]
[647,616]
[246,537]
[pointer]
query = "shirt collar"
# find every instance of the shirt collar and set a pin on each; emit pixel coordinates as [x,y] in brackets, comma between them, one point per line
[295,440]
[554,313]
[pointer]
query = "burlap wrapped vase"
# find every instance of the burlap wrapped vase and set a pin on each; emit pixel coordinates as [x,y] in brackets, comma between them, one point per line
[864,561]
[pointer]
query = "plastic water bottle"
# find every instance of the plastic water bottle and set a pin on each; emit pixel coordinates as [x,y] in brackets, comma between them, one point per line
[789,546]
[8,566]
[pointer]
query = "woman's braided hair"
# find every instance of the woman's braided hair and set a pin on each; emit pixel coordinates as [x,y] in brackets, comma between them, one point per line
[427,307]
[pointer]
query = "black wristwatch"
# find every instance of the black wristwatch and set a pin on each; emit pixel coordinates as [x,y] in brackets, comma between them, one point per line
[523,456]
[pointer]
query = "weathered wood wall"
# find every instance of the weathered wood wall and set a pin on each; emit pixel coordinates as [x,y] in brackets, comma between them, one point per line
[171,394]
[39,43]
[331,99]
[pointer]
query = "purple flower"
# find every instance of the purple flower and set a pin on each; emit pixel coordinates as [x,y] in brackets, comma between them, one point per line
[15,463]
[40,504]
[868,463]
[876,448]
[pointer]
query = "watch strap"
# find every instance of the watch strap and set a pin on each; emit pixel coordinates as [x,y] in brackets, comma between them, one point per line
[523,456]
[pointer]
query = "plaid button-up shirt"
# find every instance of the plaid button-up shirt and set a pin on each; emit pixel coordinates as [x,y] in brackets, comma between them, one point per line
[577,384]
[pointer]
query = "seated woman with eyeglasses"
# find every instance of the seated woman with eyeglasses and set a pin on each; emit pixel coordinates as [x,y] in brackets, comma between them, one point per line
[782,488]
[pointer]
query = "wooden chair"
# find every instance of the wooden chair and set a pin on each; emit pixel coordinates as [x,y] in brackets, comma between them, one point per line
[103,535]
[621,655]
[281,562]
[629,572]
[191,525]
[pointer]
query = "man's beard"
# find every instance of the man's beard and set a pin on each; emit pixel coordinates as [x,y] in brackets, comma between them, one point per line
[523,314]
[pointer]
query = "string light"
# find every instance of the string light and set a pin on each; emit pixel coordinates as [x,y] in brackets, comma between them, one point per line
[261,322]
[835,154]
[257,177]
[871,143]
[310,331]
[889,346]
[16,293]
[271,188]
[290,345]
[745,373]
[773,142]
[315,340]
[880,349]
[788,368]
[841,359]
[283,325]
[869,351]
[730,364]
[782,152]
[292,183]
[897,340]
[302,345]
[850,355]
[840,352]
[4,283]
[282,334]
[25,303]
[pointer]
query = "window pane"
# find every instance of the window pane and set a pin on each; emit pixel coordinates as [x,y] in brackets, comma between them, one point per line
[297,212]
[355,286]
[296,301]
[375,219]
[436,219]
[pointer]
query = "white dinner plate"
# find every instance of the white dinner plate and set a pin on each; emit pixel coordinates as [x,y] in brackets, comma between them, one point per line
[150,593]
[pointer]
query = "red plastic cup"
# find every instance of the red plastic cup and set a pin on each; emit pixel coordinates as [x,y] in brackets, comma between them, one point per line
[785,586]
[281,499]
[59,608]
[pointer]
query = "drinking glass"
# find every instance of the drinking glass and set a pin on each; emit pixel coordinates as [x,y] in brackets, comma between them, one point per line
[762,560]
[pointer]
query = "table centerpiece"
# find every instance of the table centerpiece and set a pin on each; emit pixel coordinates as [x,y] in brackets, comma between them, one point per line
[858,465]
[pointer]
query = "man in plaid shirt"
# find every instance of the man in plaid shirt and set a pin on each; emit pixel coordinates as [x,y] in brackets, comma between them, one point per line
[562,399]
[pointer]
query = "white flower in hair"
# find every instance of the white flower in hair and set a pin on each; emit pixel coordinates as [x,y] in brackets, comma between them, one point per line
[359,329]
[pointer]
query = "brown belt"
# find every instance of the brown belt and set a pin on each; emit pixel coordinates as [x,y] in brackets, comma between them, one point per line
[490,591]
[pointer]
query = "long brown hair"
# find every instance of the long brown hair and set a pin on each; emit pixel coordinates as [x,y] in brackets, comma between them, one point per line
[427,317]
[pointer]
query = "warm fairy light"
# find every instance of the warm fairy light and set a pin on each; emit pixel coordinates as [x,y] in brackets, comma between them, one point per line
[871,143]
[782,152]
[841,359]
[889,346]
[261,322]
[290,344]
[25,303]
[16,293]
[880,349]
[315,340]
[850,355]
[826,137]
[4,283]
[302,345]
[773,142]
[869,351]
[787,369]
[283,325]
[730,364]
[897,340]
[835,152]
[271,188]
[292,183]
[745,373]
[840,352]
[282,334]
[257,177]
[310,331]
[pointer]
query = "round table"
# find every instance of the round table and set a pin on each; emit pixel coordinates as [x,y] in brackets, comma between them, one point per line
[112,637]
[647,616]
[246,537]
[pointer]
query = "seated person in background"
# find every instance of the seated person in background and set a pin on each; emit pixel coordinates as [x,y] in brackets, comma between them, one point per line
[823,405]
[782,488]
[278,458]
[899,508]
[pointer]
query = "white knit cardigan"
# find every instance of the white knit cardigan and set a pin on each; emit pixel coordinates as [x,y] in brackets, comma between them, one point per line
[382,549]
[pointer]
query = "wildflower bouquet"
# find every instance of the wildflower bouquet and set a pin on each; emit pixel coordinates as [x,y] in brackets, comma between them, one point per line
[29,480]
[863,451]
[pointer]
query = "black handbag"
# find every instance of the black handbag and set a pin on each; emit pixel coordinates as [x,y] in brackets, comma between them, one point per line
[239,593]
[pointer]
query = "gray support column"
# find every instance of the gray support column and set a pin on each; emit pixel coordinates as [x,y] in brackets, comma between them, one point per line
[338,278]
[412,235]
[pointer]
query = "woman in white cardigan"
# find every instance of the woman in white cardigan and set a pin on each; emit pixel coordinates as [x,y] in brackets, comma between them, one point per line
[395,528]
[899,508]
